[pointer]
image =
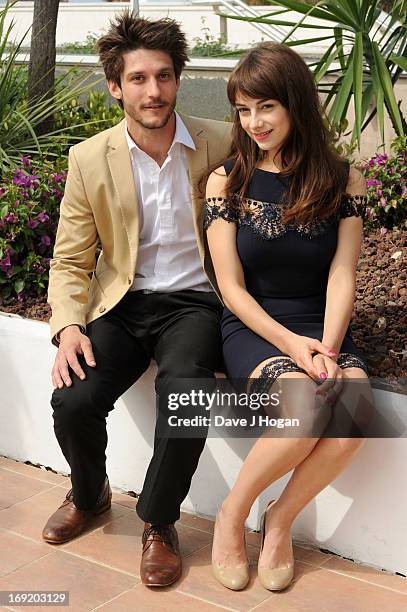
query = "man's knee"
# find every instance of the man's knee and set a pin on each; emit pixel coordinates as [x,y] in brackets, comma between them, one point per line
[72,405]
[67,405]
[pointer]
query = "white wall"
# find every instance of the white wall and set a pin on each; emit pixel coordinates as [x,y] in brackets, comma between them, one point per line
[76,21]
[361,515]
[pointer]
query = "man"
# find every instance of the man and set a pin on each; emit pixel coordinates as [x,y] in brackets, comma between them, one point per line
[132,190]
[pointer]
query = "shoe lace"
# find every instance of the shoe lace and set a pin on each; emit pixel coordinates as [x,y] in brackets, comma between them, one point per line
[69,495]
[158,533]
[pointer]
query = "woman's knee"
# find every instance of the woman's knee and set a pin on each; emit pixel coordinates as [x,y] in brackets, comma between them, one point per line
[296,393]
[345,446]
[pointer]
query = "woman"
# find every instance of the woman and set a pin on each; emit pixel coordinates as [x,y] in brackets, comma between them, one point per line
[284,227]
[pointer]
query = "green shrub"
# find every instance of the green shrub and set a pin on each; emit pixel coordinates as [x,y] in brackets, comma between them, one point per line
[20,119]
[208,45]
[86,47]
[30,196]
[85,120]
[29,213]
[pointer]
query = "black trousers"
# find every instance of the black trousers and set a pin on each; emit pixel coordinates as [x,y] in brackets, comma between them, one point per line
[180,330]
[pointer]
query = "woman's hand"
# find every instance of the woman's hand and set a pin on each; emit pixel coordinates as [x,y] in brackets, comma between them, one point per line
[301,349]
[328,371]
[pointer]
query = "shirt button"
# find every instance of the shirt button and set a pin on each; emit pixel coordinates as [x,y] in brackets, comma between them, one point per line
[102,309]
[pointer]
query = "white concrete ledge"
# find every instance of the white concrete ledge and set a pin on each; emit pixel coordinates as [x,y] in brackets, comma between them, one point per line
[361,515]
[208,64]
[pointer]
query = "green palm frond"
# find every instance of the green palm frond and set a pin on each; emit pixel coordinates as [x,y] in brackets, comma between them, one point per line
[366,57]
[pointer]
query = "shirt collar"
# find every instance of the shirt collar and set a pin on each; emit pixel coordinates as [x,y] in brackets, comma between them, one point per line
[181,135]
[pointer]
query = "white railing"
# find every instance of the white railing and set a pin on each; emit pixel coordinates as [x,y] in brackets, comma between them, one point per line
[241,9]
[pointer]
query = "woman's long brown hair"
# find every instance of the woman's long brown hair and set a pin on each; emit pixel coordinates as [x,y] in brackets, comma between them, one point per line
[318,176]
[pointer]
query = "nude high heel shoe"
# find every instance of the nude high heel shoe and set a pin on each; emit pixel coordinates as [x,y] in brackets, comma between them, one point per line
[276,578]
[233,577]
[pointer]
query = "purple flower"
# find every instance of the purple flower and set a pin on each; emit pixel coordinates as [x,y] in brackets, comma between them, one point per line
[373,182]
[21,179]
[58,193]
[43,217]
[45,240]
[26,161]
[383,202]
[21,296]
[379,193]
[11,218]
[382,159]
[31,223]
[57,177]
[383,230]
[5,263]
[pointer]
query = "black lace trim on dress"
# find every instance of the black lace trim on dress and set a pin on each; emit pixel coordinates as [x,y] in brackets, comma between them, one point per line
[347,360]
[219,208]
[353,206]
[280,365]
[265,218]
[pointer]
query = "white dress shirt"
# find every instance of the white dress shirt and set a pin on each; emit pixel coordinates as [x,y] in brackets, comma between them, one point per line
[168,258]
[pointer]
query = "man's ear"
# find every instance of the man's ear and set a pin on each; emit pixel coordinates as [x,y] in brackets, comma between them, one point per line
[115,90]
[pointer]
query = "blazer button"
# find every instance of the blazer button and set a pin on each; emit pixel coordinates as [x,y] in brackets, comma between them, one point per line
[102,309]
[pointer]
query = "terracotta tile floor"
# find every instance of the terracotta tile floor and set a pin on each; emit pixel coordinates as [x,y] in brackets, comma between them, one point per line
[100,568]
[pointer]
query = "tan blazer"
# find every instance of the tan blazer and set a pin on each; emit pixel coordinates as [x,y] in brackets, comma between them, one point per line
[99,208]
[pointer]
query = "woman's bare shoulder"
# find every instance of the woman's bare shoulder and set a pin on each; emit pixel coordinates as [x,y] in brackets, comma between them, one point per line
[216,184]
[356,182]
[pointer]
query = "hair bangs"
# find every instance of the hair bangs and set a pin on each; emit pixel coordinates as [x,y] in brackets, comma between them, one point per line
[249,80]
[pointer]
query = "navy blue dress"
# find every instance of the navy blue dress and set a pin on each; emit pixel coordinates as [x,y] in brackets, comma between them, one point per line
[286,269]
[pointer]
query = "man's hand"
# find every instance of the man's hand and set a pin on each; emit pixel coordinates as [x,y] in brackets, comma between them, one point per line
[72,343]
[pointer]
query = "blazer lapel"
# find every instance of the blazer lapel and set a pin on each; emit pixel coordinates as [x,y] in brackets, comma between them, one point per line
[197,164]
[122,174]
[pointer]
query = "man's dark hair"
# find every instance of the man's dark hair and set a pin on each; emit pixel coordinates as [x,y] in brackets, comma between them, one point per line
[130,32]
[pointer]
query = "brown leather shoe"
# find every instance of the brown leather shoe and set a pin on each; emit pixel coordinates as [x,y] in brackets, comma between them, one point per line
[68,521]
[161,563]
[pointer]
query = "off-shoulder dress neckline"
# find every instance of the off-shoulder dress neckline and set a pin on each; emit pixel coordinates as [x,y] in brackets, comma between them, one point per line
[267,171]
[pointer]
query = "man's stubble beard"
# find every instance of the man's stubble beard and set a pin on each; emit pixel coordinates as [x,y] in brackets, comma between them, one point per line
[149,126]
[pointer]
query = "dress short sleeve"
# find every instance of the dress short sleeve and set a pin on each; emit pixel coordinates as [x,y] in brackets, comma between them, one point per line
[353,206]
[219,208]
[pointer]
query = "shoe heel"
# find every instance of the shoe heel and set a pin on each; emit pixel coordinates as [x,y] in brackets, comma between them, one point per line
[103,509]
[108,503]
[278,578]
